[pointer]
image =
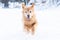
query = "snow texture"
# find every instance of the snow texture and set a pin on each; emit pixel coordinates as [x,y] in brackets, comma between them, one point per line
[11,25]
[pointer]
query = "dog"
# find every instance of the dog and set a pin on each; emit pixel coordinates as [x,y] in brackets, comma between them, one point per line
[29,18]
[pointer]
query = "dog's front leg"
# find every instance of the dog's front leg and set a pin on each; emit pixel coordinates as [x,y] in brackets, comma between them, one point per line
[33,30]
[26,29]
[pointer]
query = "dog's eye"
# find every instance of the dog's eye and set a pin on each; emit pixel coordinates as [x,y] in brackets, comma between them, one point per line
[30,11]
[25,12]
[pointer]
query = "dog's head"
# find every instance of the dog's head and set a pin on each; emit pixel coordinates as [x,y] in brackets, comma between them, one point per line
[28,12]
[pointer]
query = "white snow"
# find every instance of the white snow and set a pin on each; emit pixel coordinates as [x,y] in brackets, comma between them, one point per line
[14,5]
[11,25]
[1,5]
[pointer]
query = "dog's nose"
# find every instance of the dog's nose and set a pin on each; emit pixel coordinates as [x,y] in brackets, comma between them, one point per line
[28,16]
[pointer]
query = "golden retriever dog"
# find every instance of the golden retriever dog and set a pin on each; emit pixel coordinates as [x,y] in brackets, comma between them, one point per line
[29,18]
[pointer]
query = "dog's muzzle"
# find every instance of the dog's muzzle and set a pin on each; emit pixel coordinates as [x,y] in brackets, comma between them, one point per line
[28,16]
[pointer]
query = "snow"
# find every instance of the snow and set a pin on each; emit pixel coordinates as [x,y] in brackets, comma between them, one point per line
[11,25]
[14,5]
[1,5]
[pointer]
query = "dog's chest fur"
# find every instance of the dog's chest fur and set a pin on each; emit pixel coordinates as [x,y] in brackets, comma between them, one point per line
[29,23]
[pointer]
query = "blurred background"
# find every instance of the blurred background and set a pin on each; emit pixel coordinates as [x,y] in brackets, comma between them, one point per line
[39,3]
[47,15]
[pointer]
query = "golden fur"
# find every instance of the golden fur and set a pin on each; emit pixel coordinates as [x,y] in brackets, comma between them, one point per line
[30,24]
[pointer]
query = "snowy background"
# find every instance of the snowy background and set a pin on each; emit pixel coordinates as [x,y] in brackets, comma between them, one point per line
[48,17]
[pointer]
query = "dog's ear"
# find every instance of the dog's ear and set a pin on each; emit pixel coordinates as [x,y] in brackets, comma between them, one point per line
[23,5]
[32,5]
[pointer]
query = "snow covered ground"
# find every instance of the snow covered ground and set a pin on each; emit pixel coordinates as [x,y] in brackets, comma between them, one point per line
[11,26]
